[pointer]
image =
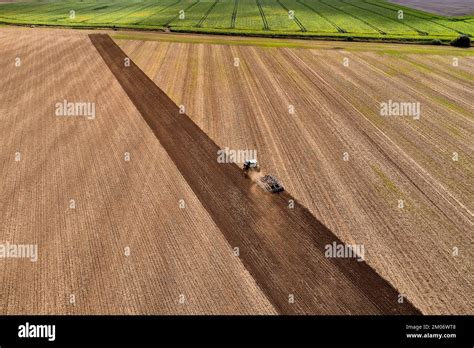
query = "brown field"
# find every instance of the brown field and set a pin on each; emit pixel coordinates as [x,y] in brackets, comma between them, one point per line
[135,204]
[190,251]
[119,204]
[282,247]
[337,111]
[442,7]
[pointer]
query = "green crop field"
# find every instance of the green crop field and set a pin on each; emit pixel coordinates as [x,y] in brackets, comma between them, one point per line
[364,19]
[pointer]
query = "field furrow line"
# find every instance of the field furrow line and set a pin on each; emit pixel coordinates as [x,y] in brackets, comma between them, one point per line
[55,8]
[339,29]
[177,16]
[423,33]
[262,14]
[159,11]
[297,21]
[199,24]
[115,19]
[411,13]
[417,92]
[107,13]
[32,9]
[355,17]
[234,14]
[429,135]
[436,188]
[456,96]
[459,75]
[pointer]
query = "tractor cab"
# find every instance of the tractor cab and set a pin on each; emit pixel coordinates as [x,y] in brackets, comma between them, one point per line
[251,165]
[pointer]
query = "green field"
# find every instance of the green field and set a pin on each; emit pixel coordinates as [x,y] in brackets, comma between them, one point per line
[364,19]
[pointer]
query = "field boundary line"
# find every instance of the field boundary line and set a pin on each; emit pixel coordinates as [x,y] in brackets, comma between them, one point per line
[420,32]
[297,21]
[234,14]
[204,17]
[262,14]
[355,17]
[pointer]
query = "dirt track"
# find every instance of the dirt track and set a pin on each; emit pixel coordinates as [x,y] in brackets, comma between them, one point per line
[282,248]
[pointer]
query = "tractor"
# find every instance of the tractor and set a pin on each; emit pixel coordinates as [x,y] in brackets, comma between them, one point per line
[251,165]
[267,182]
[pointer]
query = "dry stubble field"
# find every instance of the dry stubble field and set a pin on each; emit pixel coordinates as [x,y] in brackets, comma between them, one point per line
[181,251]
[125,246]
[119,204]
[337,111]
